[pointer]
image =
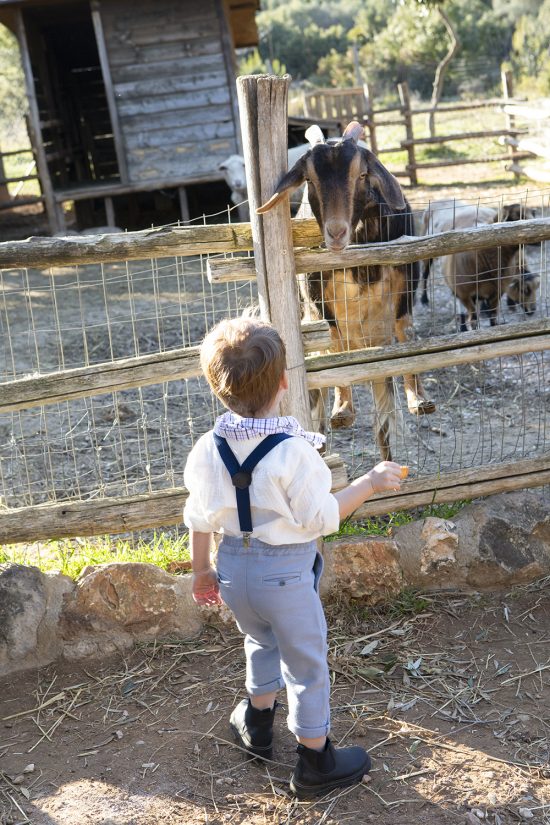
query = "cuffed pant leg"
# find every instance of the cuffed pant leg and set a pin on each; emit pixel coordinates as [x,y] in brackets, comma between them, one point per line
[297,619]
[263,667]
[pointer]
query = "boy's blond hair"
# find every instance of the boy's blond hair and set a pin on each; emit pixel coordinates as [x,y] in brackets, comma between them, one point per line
[243,361]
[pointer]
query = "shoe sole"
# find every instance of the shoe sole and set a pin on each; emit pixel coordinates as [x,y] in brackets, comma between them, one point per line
[310,791]
[253,753]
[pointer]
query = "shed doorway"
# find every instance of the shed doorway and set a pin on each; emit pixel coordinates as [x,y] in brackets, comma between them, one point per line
[74,114]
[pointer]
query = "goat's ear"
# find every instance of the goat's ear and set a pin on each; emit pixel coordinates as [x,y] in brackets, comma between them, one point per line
[384,181]
[288,183]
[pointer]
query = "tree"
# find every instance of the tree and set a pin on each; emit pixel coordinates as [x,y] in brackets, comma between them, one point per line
[444,63]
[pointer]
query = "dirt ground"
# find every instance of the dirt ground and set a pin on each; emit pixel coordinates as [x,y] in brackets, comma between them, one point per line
[450,694]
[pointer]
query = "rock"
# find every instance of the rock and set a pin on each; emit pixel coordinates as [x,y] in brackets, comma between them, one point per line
[362,568]
[30,605]
[496,542]
[125,602]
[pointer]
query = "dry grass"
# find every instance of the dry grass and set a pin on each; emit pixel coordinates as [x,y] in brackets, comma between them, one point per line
[449,693]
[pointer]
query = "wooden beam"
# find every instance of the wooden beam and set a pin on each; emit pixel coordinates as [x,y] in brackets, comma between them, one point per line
[338,373]
[162,242]
[163,508]
[403,251]
[263,104]
[463,136]
[109,90]
[461,484]
[125,374]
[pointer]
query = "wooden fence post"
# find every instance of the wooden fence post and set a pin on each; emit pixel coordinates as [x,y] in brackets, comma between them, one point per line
[403,89]
[263,104]
[508,93]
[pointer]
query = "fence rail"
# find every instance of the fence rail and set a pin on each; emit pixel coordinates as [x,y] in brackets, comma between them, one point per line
[333,108]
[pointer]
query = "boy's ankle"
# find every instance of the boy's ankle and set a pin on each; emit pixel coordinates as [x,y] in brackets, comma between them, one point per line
[317,744]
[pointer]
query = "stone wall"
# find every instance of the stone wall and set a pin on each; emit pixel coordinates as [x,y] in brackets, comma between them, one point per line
[493,543]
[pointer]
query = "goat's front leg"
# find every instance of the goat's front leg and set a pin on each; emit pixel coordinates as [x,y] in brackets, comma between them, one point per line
[417,401]
[343,414]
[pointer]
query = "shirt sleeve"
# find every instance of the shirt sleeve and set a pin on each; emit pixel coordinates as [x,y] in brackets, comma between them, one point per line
[195,515]
[311,502]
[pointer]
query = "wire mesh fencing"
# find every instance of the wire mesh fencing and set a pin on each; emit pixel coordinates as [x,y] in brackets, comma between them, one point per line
[137,440]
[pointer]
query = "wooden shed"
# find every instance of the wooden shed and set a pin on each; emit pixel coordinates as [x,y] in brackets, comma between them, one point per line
[129,97]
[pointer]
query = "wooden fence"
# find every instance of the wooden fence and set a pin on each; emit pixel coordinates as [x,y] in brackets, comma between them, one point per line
[10,199]
[280,249]
[334,108]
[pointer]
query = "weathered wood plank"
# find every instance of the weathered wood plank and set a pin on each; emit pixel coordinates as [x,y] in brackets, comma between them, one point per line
[422,346]
[161,242]
[135,124]
[182,135]
[461,484]
[164,507]
[125,374]
[134,72]
[171,85]
[358,373]
[130,55]
[217,95]
[403,251]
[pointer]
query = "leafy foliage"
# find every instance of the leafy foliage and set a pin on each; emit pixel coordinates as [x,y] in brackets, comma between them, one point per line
[13,100]
[326,44]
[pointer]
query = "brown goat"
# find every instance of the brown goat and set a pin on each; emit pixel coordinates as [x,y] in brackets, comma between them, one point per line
[480,278]
[355,199]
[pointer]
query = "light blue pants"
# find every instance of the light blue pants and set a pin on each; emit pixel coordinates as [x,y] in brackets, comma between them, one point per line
[274,594]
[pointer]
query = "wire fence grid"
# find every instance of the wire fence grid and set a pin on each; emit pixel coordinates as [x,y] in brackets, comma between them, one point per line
[135,441]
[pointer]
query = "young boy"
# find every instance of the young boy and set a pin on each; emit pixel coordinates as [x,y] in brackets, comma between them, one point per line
[270,515]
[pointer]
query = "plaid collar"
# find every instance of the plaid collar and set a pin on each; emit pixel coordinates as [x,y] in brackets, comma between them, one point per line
[231,425]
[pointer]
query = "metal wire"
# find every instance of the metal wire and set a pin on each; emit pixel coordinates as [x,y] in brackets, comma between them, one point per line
[135,441]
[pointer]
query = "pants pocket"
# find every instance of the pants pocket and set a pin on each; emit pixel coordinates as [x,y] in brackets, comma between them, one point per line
[318,566]
[282,579]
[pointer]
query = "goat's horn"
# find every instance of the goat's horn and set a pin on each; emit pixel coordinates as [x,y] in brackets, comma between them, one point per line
[314,135]
[353,131]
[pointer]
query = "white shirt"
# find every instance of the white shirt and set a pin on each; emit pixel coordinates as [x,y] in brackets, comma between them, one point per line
[290,496]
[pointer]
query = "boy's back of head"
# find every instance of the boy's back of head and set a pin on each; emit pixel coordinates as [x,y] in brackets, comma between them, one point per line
[244,360]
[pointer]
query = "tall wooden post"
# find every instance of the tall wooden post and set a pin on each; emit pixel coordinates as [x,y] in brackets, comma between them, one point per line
[263,102]
[508,93]
[403,89]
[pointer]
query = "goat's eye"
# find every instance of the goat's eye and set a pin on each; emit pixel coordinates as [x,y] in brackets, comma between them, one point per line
[363,175]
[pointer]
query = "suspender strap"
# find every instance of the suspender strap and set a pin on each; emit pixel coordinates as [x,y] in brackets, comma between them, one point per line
[241,474]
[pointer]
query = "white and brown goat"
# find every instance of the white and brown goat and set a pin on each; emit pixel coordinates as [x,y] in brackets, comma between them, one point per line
[356,200]
[480,278]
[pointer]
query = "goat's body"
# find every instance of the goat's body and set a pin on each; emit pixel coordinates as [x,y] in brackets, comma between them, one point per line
[480,278]
[370,306]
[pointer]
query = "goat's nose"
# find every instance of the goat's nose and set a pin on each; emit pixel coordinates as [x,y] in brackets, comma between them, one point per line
[336,230]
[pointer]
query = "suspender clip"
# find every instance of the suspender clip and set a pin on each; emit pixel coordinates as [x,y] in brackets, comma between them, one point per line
[246,540]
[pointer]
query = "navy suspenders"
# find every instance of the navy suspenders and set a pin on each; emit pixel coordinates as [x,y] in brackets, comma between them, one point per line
[241,474]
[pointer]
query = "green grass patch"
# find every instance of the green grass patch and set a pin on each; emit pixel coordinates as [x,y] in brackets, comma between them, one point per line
[71,556]
[383,525]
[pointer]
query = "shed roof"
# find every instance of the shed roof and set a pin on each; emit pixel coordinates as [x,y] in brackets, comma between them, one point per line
[241,17]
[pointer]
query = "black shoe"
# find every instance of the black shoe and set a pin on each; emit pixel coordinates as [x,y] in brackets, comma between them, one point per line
[253,728]
[318,772]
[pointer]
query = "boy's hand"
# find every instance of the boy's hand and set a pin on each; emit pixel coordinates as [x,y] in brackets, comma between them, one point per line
[206,590]
[386,476]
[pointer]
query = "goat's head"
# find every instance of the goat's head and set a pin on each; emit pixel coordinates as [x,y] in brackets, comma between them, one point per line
[343,179]
[234,172]
[515,212]
[522,290]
